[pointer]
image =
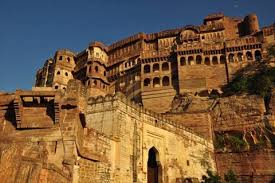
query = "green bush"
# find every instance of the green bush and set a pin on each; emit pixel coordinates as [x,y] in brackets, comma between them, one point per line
[211,178]
[230,177]
[236,143]
[219,142]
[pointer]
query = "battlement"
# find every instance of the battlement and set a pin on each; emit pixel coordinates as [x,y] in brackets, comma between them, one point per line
[155,119]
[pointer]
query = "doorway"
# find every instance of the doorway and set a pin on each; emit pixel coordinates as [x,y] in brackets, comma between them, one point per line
[153,166]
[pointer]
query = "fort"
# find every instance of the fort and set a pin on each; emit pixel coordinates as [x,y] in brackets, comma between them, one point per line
[140,110]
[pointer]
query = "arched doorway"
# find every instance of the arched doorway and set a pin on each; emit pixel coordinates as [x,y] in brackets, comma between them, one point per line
[153,166]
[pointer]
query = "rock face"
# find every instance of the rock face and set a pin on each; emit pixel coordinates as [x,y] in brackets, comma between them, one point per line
[242,132]
[244,142]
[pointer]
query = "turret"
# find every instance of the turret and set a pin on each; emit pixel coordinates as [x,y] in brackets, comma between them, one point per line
[252,24]
[64,66]
[96,69]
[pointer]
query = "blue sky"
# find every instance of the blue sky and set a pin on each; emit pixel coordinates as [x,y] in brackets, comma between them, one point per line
[31,30]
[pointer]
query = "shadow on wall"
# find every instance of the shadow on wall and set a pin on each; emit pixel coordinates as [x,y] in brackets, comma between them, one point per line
[10,114]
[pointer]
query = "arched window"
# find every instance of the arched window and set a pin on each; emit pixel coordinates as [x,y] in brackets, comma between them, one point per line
[207,61]
[222,59]
[240,57]
[215,60]
[64,88]
[155,67]
[66,74]
[182,61]
[56,87]
[147,69]
[165,66]
[95,82]
[104,73]
[258,55]
[90,69]
[58,73]
[191,60]
[156,82]
[165,81]
[68,59]
[96,69]
[60,58]
[249,56]
[231,57]
[147,82]
[198,59]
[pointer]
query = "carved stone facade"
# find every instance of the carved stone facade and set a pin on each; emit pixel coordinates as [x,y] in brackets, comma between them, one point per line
[152,68]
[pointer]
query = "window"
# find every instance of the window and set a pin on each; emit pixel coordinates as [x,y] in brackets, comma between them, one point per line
[60,58]
[258,55]
[165,66]
[182,61]
[215,60]
[222,59]
[66,74]
[56,87]
[240,57]
[207,61]
[147,82]
[68,59]
[249,55]
[198,59]
[155,67]
[156,82]
[96,69]
[165,81]
[231,57]
[146,69]
[104,73]
[190,60]
[95,83]
[58,73]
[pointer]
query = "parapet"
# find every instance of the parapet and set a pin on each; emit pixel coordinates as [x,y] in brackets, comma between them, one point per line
[128,40]
[36,109]
[98,44]
[213,16]
[157,119]
[65,52]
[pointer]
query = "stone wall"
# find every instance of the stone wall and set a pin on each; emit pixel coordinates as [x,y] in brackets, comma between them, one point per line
[257,166]
[134,131]
[199,122]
